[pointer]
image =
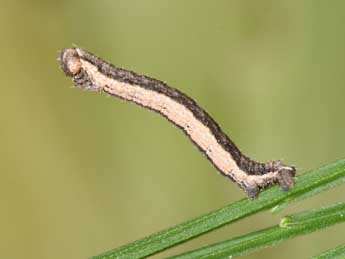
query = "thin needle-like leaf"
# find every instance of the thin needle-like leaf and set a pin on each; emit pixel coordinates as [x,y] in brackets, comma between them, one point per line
[336,253]
[289,227]
[311,183]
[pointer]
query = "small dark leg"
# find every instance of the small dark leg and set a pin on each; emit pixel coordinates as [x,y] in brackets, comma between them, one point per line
[252,192]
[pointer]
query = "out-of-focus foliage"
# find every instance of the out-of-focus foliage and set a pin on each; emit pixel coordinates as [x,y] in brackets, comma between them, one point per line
[81,173]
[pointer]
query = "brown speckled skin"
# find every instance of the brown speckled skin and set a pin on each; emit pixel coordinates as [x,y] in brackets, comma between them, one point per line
[80,78]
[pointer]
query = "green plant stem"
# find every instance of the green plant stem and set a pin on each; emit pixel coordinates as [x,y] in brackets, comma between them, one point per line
[312,182]
[290,226]
[336,253]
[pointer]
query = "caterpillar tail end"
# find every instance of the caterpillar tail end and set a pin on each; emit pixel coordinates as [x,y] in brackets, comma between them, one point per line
[285,177]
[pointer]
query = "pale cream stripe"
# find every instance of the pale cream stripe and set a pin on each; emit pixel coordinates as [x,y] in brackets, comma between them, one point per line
[181,116]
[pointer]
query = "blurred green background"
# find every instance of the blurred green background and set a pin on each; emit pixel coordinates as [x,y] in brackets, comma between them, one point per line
[81,173]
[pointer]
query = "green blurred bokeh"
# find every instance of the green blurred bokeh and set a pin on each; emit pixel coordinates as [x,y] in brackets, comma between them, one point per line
[81,173]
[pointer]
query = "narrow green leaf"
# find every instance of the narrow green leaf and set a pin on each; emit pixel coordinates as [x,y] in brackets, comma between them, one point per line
[170,237]
[336,253]
[289,227]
